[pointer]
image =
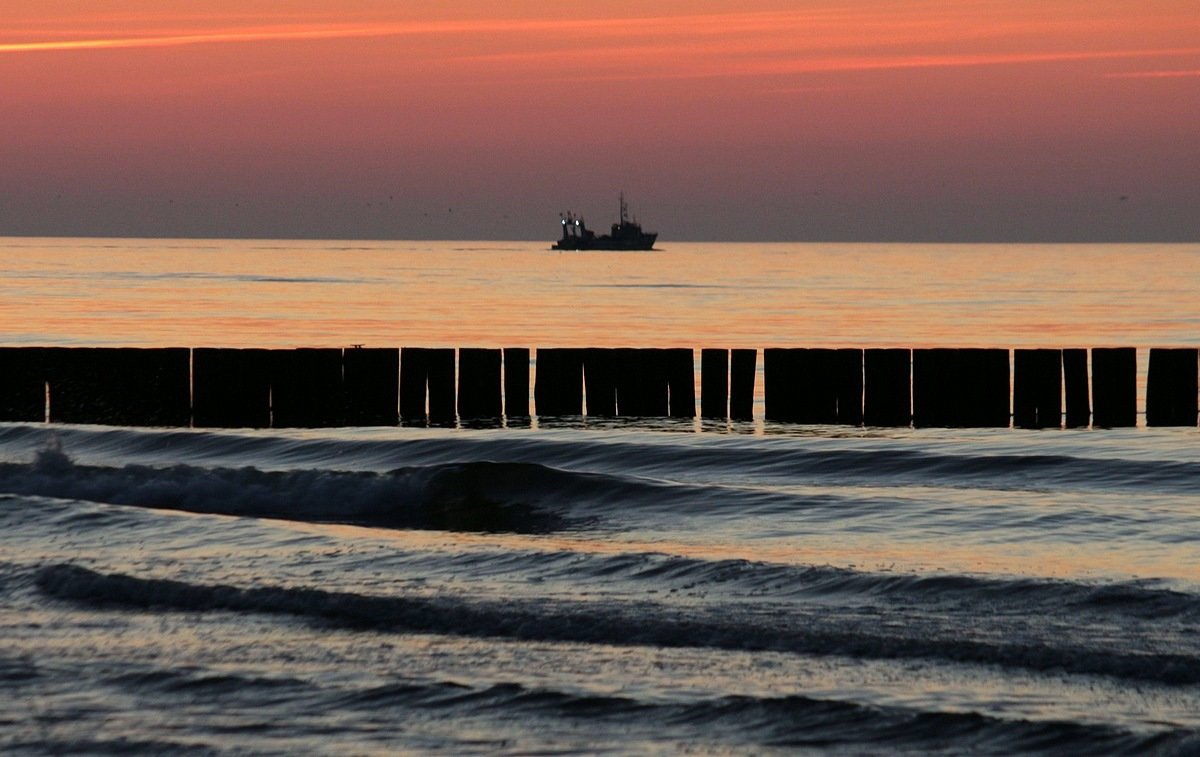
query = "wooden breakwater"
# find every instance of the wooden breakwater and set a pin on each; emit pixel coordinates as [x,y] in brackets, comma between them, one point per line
[313,388]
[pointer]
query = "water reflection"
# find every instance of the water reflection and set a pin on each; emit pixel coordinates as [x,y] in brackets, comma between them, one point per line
[331,294]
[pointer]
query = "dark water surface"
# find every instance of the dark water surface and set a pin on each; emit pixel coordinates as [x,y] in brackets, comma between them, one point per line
[630,587]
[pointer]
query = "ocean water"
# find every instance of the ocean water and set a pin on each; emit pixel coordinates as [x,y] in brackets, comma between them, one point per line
[584,585]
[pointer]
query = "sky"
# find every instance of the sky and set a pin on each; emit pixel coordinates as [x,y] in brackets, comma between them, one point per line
[810,120]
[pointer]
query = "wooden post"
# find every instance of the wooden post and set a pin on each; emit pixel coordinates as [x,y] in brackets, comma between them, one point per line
[742,367]
[558,388]
[600,381]
[714,383]
[654,378]
[679,365]
[848,380]
[231,388]
[813,385]
[984,391]
[642,385]
[782,389]
[414,374]
[1037,388]
[631,381]
[306,388]
[816,390]
[516,382]
[479,384]
[442,407]
[371,386]
[1075,382]
[887,388]
[935,384]
[22,384]
[1114,387]
[960,388]
[1171,384]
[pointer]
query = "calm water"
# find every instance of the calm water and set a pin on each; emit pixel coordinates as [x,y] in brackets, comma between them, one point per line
[581,586]
[328,294]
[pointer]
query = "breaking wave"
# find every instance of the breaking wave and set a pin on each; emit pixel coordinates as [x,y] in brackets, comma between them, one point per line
[475,496]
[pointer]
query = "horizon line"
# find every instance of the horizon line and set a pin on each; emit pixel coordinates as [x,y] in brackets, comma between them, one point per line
[510,240]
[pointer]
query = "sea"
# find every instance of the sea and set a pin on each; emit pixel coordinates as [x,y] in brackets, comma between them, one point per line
[584,585]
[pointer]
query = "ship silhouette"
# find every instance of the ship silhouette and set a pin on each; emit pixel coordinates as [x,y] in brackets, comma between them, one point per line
[626,234]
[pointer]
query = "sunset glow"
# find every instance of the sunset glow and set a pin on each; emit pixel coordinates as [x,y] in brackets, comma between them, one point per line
[840,120]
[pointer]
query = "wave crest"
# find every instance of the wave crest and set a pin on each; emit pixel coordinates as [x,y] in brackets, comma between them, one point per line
[643,624]
[475,496]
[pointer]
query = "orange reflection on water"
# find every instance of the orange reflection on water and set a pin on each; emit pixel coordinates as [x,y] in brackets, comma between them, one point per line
[871,553]
[332,294]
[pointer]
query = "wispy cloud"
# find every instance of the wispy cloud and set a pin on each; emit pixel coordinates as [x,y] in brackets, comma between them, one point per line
[698,46]
[657,62]
[814,27]
[175,40]
[92,39]
[868,63]
[1154,74]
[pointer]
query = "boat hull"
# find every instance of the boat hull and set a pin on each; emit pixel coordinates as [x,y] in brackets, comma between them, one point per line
[640,242]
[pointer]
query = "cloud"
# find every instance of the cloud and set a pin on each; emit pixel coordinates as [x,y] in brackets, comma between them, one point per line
[665,63]
[618,28]
[697,46]
[811,27]
[870,63]
[251,34]
[1154,74]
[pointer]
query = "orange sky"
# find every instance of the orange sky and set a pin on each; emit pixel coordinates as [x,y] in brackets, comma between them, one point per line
[878,120]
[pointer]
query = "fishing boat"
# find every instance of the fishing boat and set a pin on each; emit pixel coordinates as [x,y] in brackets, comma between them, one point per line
[626,234]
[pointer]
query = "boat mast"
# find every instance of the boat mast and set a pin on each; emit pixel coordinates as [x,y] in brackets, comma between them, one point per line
[624,208]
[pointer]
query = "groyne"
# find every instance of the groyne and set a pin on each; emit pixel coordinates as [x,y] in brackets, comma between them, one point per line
[358,386]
